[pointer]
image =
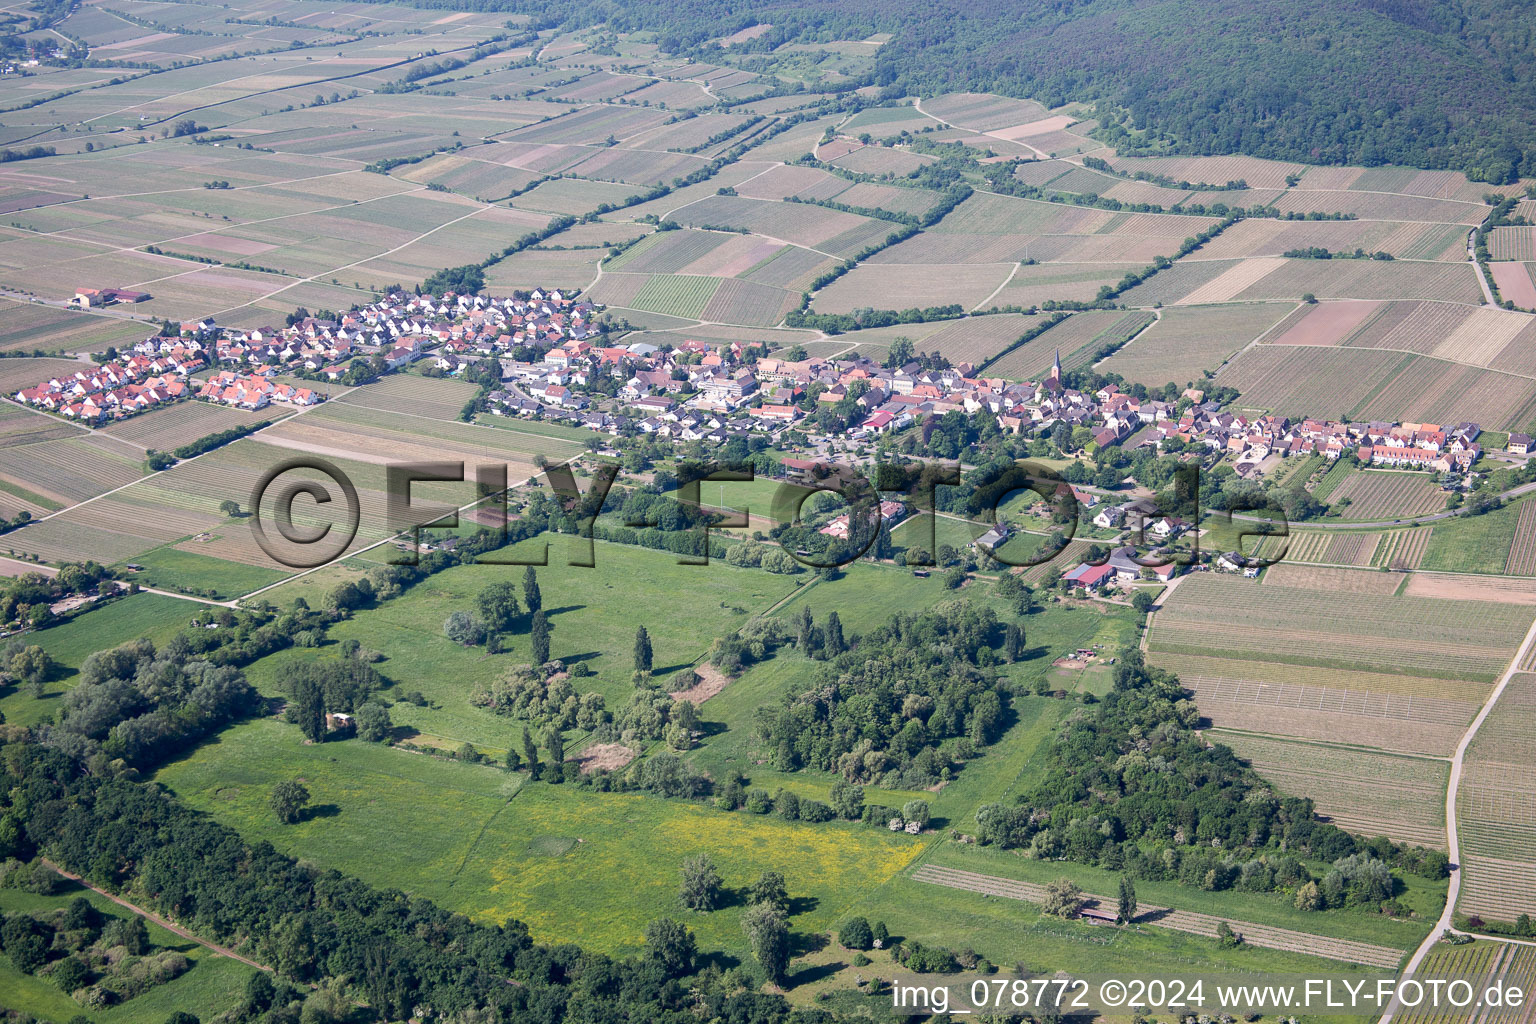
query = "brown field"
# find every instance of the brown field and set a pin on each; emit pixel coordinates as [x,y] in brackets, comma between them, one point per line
[746,302]
[1459,587]
[904,286]
[1078,337]
[1374,206]
[1170,285]
[1515,283]
[1416,725]
[1408,326]
[1385,494]
[983,111]
[20,425]
[1366,279]
[439,398]
[1211,613]
[1343,581]
[1265,237]
[1186,341]
[1035,285]
[878,160]
[31,326]
[1270,677]
[16,374]
[1213,170]
[1497,808]
[1434,391]
[1522,553]
[1513,243]
[71,469]
[790,180]
[976,339]
[1326,323]
[1351,383]
[184,422]
[829,231]
[1233,281]
[1369,793]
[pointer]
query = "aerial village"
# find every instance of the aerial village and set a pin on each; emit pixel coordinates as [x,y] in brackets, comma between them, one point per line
[555,361]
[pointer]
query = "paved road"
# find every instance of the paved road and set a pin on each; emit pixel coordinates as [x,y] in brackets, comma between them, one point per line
[1447,915]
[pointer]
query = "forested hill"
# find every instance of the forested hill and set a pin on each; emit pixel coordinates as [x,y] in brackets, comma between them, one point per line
[1430,83]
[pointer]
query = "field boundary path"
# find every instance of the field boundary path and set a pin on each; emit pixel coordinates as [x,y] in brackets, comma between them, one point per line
[1453,846]
[1347,950]
[168,925]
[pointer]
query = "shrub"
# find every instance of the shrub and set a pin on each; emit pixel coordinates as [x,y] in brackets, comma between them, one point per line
[856,934]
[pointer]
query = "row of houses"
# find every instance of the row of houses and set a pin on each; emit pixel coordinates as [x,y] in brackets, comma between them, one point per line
[118,389]
[1249,441]
[402,328]
[254,391]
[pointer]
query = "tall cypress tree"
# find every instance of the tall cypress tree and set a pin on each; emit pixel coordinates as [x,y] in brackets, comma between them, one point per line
[643,653]
[531,596]
[835,643]
[309,708]
[540,638]
[530,751]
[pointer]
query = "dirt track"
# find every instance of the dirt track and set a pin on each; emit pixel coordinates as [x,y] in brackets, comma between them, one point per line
[157,919]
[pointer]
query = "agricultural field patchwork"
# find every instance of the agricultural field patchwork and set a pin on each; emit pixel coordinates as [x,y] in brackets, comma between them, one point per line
[742,185]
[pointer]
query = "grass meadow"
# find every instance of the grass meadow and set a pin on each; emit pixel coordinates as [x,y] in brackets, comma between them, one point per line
[576,865]
[594,613]
[152,615]
[170,568]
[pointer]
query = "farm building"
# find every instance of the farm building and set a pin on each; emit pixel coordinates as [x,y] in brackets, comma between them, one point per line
[88,298]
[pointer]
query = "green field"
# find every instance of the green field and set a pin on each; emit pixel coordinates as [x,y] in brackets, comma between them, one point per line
[1475,544]
[152,615]
[188,572]
[676,294]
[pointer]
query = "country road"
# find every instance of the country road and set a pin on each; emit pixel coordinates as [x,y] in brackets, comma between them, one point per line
[169,926]
[1453,848]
